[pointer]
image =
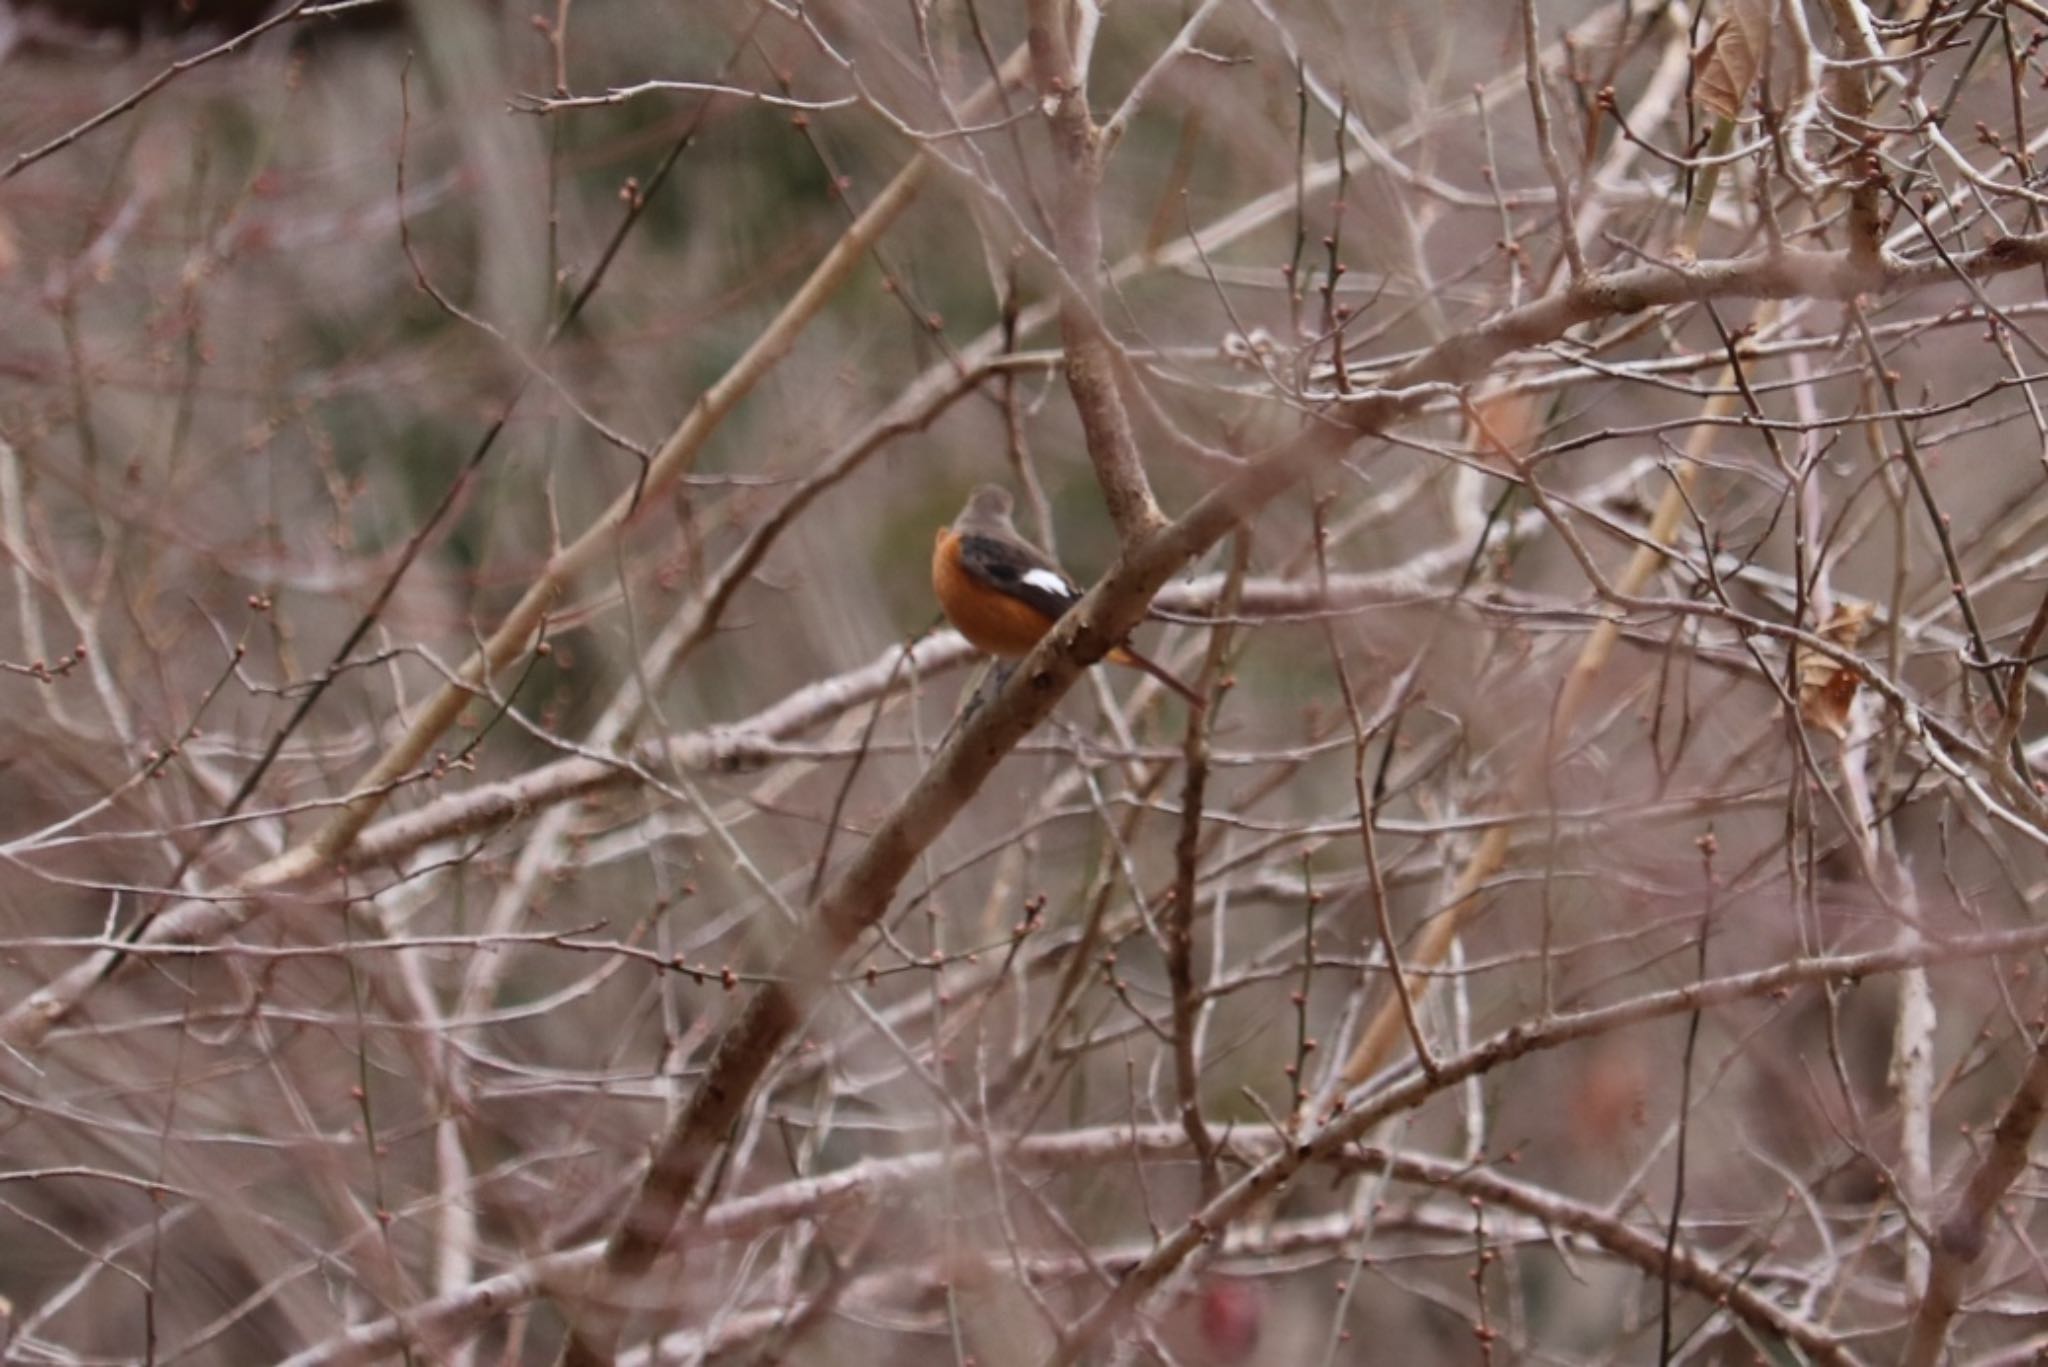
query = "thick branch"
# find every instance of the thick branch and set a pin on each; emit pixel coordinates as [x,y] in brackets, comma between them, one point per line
[1963,1235]
[1077,236]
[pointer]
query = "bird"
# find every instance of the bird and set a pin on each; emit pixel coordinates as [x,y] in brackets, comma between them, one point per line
[1003,594]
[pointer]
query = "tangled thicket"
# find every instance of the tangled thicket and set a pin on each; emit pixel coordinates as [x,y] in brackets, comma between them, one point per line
[501,866]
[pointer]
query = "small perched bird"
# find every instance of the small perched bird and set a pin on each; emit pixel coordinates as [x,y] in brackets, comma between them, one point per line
[1002,593]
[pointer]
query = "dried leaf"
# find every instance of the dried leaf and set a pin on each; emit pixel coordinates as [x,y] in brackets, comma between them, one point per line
[1826,689]
[1725,67]
[1847,624]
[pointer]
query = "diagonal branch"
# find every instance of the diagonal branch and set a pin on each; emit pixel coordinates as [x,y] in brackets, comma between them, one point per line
[1963,1235]
[149,87]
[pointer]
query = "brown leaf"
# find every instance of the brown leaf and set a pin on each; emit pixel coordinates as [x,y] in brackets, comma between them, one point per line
[1847,623]
[1725,67]
[1827,690]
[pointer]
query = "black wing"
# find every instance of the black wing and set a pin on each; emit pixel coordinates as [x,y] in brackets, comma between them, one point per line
[1018,571]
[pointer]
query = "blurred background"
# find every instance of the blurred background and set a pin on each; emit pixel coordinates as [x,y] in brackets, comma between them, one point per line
[316,356]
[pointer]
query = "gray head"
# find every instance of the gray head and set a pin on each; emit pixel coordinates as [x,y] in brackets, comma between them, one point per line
[989,506]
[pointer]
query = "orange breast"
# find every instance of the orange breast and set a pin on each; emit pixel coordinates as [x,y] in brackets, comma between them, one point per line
[990,619]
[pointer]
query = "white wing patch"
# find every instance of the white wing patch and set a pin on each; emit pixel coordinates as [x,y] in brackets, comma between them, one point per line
[1050,583]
